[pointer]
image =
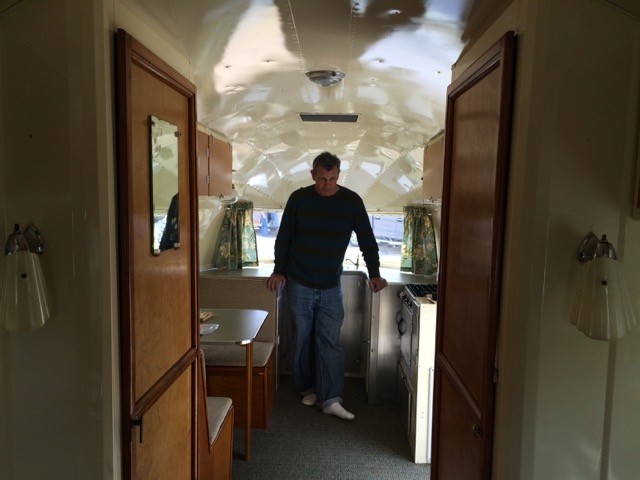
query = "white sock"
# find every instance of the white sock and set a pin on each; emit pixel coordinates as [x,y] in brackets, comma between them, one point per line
[309,399]
[339,411]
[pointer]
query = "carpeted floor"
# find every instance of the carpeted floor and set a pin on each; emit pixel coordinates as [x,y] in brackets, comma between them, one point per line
[302,443]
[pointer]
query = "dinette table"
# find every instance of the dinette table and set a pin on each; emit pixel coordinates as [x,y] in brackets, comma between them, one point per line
[235,326]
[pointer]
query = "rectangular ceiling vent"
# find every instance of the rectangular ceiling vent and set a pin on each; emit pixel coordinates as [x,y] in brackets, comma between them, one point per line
[329,117]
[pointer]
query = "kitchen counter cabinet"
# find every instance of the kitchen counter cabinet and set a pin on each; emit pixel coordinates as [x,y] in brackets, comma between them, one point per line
[370,335]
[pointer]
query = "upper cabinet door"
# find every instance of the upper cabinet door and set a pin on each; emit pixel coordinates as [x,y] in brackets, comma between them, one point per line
[477,139]
[204,149]
[432,170]
[214,166]
[158,289]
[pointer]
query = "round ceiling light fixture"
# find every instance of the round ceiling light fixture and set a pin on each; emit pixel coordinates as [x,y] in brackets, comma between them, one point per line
[325,78]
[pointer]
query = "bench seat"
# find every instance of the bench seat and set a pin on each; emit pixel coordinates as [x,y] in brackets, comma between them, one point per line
[217,410]
[226,377]
[215,432]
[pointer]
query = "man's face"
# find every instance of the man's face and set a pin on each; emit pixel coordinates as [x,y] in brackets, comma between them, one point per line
[326,180]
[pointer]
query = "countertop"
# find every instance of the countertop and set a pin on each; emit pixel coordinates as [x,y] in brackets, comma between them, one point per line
[393,276]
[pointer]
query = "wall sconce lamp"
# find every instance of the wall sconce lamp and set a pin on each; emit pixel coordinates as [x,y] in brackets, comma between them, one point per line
[24,302]
[601,308]
[226,200]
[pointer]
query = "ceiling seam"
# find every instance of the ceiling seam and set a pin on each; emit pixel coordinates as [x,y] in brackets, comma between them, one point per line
[299,51]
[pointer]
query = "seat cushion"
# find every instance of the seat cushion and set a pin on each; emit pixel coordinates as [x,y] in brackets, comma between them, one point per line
[217,408]
[235,355]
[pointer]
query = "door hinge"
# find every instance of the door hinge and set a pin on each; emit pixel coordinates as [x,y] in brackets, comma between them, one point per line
[495,374]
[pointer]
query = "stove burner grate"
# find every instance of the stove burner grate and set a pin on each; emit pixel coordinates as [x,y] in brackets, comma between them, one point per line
[422,290]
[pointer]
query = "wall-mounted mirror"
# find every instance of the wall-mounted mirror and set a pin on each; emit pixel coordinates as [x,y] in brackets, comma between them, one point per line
[163,143]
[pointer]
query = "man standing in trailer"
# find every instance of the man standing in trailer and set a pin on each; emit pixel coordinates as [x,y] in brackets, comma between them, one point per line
[314,234]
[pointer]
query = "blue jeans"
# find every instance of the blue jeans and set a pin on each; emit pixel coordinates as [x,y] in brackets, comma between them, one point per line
[318,360]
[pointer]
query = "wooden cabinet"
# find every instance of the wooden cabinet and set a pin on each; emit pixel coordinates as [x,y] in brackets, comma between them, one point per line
[203,148]
[214,166]
[432,170]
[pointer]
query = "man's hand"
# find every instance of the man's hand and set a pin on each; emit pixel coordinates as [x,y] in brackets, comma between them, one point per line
[377,284]
[275,282]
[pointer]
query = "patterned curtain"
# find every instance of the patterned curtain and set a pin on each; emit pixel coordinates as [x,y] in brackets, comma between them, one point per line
[236,247]
[418,253]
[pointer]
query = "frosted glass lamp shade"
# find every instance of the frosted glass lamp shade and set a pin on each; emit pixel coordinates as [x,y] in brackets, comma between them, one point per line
[226,200]
[601,308]
[23,295]
[24,302]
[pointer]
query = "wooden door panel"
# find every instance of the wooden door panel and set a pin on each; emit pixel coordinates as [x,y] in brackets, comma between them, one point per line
[166,449]
[474,203]
[161,284]
[471,214]
[460,458]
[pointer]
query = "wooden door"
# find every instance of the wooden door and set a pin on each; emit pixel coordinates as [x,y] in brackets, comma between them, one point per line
[478,124]
[158,292]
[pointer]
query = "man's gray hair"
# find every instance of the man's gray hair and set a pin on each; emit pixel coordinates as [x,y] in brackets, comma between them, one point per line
[327,161]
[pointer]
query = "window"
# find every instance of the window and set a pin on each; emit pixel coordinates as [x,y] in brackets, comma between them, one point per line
[266,224]
[387,228]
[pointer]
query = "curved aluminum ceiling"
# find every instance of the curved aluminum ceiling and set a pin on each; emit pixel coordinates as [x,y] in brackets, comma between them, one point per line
[249,61]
